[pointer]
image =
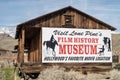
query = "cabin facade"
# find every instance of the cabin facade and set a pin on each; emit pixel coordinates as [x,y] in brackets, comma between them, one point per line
[29,34]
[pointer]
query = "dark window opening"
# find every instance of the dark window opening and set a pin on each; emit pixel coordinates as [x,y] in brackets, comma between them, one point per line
[115,58]
[68,20]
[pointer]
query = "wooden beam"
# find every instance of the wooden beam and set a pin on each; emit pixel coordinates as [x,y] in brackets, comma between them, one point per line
[18,55]
[21,42]
[40,47]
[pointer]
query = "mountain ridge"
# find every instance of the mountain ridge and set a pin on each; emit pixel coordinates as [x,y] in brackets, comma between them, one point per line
[7,42]
[8,30]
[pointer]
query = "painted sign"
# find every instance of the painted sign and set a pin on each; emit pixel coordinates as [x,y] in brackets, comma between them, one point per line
[70,45]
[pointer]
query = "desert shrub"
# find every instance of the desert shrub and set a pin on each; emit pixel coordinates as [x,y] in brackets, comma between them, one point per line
[96,76]
[9,73]
[116,66]
[115,75]
[73,75]
[52,73]
[57,73]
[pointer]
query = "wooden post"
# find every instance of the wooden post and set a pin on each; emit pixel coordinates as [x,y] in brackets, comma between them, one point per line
[18,55]
[40,47]
[21,42]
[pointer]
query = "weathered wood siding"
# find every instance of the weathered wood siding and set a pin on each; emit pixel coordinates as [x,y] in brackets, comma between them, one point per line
[21,42]
[34,52]
[79,21]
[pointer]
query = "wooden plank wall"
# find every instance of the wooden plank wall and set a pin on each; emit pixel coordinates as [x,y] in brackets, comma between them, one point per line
[34,53]
[21,41]
[80,21]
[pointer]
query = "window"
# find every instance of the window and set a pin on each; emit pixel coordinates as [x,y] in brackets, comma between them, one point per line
[115,58]
[68,19]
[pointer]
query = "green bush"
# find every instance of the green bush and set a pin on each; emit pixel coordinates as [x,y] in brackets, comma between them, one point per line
[8,73]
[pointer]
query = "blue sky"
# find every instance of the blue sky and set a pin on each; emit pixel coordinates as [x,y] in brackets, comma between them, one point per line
[14,12]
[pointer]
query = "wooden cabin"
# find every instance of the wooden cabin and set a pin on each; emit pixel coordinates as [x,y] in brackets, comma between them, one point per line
[29,34]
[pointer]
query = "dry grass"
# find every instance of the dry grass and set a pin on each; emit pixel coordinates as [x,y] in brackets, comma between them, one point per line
[57,73]
[115,75]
